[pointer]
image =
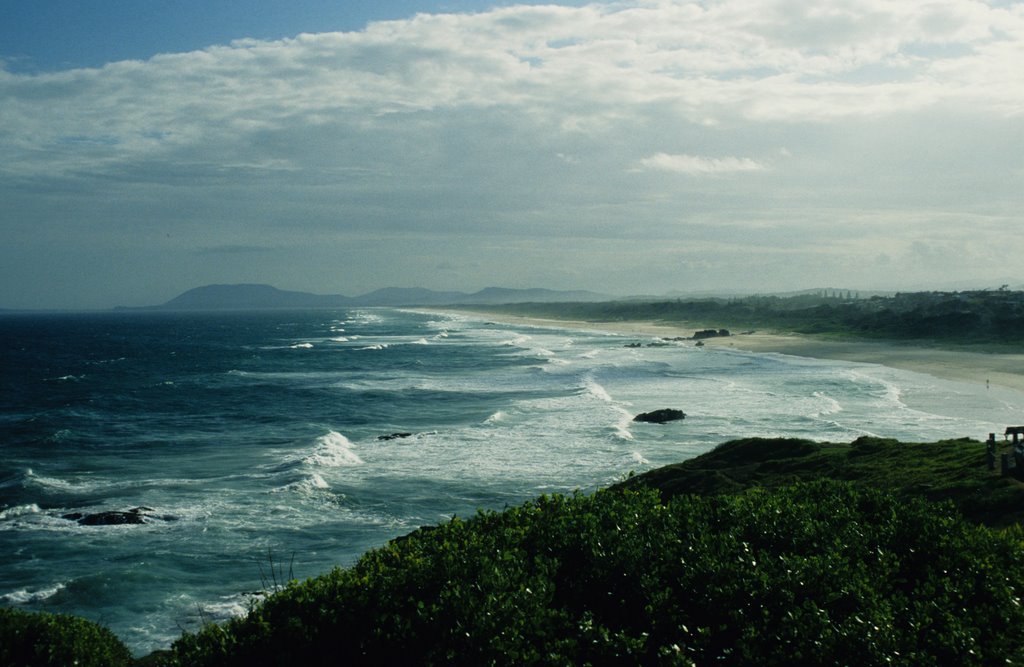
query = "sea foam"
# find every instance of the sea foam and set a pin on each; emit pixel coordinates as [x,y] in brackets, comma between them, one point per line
[19,510]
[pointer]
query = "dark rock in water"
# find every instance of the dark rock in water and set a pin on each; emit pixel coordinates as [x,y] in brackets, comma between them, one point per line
[660,416]
[394,436]
[136,515]
[633,345]
[111,518]
[710,333]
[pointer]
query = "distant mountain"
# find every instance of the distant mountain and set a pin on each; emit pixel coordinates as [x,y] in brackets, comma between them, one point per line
[259,297]
[246,297]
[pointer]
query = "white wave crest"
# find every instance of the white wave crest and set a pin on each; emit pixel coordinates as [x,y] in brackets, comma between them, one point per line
[62,485]
[421,341]
[378,346]
[622,431]
[638,458]
[308,485]
[333,450]
[302,346]
[888,393]
[498,416]
[593,388]
[25,595]
[831,405]
[19,510]
[364,317]
[340,339]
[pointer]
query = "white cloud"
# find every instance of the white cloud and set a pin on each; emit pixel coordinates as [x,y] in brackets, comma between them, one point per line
[585,69]
[520,121]
[695,164]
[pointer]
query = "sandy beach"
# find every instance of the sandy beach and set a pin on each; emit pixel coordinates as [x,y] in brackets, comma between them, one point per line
[1000,369]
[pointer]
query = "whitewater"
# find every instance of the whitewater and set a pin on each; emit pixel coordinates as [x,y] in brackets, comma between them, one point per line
[263,446]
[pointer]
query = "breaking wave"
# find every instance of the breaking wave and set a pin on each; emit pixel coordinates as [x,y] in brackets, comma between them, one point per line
[333,450]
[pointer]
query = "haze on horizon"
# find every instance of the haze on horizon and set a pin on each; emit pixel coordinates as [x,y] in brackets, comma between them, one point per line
[631,146]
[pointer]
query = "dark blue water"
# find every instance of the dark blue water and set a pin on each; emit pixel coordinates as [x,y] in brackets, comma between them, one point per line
[254,437]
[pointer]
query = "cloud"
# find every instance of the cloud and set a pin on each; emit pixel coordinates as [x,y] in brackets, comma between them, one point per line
[758,61]
[694,164]
[527,122]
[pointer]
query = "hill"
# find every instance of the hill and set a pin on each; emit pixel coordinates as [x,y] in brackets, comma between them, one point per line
[245,297]
[260,297]
[949,470]
[824,573]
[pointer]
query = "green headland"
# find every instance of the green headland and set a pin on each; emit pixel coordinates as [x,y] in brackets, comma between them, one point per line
[760,552]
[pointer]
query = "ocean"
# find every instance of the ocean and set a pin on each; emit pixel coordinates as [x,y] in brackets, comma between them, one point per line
[261,446]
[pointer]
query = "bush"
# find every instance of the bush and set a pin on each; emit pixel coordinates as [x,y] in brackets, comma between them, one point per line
[41,640]
[814,574]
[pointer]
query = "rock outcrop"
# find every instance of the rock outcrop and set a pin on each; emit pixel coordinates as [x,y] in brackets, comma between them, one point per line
[136,515]
[394,436]
[660,416]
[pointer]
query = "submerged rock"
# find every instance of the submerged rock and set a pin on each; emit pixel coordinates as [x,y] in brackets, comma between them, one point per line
[136,515]
[394,436]
[660,416]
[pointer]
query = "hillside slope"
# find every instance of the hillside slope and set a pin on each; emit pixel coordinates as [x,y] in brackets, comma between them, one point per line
[953,470]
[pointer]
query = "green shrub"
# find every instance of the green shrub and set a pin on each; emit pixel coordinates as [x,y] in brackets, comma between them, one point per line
[814,574]
[41,640]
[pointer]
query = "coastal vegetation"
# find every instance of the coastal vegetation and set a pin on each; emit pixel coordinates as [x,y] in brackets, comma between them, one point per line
[760,552]
[56,640]
[819,573]
[954,471]
[988,316]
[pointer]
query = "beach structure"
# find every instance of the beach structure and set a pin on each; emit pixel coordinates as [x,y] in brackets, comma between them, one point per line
[1011,463]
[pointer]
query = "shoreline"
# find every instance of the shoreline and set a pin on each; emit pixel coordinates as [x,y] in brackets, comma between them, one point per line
[995,369]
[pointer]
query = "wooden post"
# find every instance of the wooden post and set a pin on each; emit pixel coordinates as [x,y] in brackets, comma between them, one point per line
[1004,460]
[990,451]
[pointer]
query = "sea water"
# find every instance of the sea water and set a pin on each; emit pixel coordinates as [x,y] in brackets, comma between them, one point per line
[281,444]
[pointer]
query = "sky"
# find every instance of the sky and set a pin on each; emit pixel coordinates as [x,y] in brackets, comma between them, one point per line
[627,147]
